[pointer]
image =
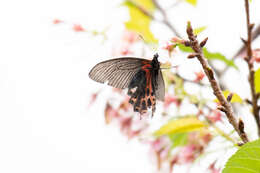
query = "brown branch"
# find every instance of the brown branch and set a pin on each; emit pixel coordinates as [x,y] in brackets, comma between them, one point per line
[250,63]
[194,44]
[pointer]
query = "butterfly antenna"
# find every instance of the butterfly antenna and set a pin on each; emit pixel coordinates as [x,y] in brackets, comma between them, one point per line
[152,46]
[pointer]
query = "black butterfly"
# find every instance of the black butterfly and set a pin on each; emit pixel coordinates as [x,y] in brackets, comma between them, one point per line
[142,77]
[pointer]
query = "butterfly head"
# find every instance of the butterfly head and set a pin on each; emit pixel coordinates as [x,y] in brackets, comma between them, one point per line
[155,62]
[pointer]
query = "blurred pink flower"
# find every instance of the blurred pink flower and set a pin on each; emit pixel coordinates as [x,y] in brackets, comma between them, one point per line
[110,113]
[206,138]
[160,147]
[173,162]
[57,21]
[187,154]
[213,169]
[78,28]
[130,37]
[256,55]
[215,116]
[125,124]
[93,98]
[125,104]
[199,76]
[177,40]
[125,51]
[170,47]
[169,99]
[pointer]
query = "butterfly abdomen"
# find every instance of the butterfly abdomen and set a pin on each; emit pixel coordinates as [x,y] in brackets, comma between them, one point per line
[141,90]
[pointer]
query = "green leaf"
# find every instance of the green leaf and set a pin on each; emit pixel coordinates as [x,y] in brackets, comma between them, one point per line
[235,98]
[184,48]
[192,2]
[218,56]
[245,160]
[139,22]
[257,81]
[178,139]
[185,124]
[196,31]
[209,55]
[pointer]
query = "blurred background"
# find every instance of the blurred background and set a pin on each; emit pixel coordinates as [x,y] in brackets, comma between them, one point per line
[49,121]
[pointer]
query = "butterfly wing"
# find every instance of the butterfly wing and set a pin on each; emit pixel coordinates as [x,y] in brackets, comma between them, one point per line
[160,91]
[118,72]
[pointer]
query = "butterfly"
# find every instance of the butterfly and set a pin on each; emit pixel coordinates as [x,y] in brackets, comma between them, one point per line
[142,77]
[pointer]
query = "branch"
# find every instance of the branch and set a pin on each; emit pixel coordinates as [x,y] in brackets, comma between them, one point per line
[242,49]
[225,105]
[250,63]
[165,18]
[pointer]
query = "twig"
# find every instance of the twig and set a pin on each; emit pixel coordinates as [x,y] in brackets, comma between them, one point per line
[250,63]
[191,81]
[194,44]
[221,132]
[165,18]
[242,49]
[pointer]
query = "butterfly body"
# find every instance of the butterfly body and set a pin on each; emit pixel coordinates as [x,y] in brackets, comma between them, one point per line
[142,77]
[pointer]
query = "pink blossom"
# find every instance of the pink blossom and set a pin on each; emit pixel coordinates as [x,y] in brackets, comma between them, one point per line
[125,51]
[169,99]
[215,116]
[161,147]
[206,138]
[187,154]
[213,169]
[130,37]
[177,40]
[125,124]
[110,113]
[256,55]
[199,76]
[56,21]
[173,162]
[169,46]
[93,98]
[78,28]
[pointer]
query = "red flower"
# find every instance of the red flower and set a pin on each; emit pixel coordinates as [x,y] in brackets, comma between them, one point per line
[199,76]
[56,21]
[78,28]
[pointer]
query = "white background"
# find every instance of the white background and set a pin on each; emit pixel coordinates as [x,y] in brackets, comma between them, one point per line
[45,124]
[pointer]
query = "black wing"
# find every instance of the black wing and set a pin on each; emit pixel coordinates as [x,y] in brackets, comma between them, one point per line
[118,72]
[160,92]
